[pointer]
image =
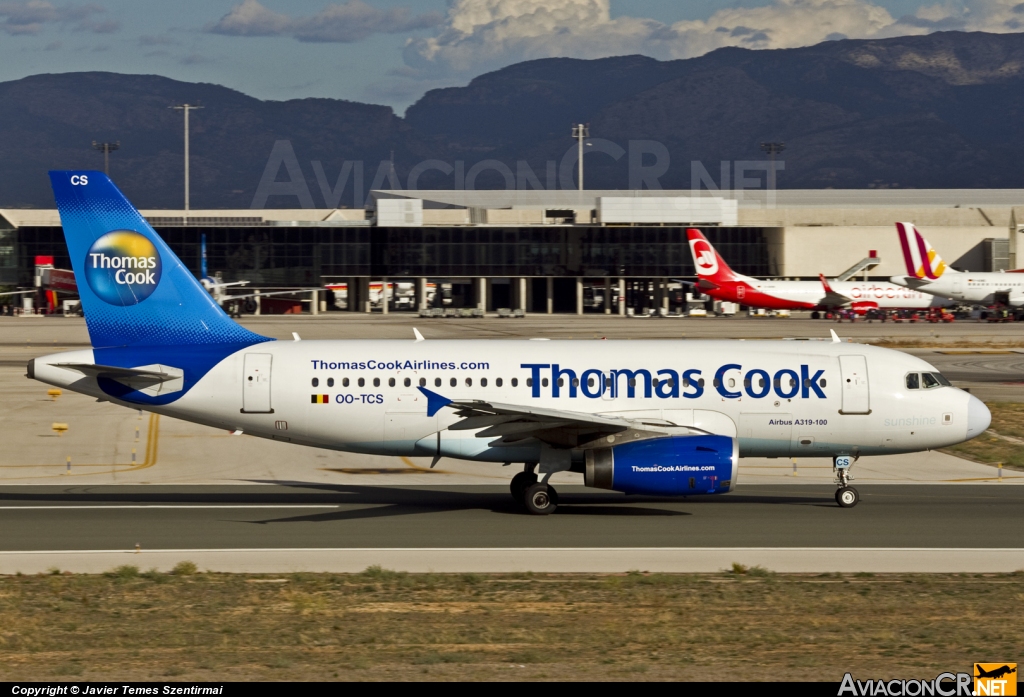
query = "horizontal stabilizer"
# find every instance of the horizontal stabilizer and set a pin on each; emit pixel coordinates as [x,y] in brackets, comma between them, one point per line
[152,380]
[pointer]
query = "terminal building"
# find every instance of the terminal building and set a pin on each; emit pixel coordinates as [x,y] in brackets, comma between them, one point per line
[557,251]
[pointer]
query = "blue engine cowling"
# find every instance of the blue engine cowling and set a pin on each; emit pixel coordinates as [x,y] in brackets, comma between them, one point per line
[672,466]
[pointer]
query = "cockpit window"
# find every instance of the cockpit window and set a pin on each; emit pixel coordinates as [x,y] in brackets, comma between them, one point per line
[927,381]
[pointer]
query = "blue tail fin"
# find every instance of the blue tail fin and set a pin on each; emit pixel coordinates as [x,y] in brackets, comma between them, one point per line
[135,291]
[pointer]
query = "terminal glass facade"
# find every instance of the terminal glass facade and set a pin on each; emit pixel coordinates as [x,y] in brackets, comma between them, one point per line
[303,256]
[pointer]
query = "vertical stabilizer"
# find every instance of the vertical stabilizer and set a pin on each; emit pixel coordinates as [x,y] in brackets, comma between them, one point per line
[921,259]
[135,291]
[706,260]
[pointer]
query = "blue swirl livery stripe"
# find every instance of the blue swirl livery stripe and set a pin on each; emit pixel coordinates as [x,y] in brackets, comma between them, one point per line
[142,305]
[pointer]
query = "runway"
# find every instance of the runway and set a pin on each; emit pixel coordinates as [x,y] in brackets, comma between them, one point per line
[460,528]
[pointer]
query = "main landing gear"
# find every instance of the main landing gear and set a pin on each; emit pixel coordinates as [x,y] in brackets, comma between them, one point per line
[539,498]
[846,495]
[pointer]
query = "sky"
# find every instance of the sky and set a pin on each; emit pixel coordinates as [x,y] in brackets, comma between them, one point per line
[392,51]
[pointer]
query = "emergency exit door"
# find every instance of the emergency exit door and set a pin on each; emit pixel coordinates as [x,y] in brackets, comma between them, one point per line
[856,393]
[256,384]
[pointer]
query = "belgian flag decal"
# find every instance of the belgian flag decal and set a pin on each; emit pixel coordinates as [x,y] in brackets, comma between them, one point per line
[321,399]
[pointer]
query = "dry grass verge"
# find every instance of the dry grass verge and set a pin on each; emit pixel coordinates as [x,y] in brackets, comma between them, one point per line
[745,624]
[997,445]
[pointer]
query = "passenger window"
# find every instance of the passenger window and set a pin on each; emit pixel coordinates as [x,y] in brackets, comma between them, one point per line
[362,382]
[454,382]
[376,382]
[330,382]
[316,382]
[437,382]
[913,381]
[498,382]
[529,382]
[391,382]
[483,382]
[929,380]
[469,382]
[654,382]
[344,382]
[823,383]
[408,382]
[561,382]
[632,382]
[544,382]
[515,382]
[423,382]
[701,382]
[590,382]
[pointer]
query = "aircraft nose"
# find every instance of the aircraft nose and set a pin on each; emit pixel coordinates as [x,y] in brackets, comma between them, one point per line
[978,417]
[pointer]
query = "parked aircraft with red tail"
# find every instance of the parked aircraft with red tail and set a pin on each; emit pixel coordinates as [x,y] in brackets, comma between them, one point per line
[722,283]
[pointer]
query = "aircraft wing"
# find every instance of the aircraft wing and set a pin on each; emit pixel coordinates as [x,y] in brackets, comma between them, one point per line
[18,292]
[832,298]
[511,423]
[264,295]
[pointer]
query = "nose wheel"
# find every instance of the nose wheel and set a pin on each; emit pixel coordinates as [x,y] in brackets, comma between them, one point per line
[846,495]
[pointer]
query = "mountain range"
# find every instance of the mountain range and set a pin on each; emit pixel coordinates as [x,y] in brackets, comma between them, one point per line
[938,111]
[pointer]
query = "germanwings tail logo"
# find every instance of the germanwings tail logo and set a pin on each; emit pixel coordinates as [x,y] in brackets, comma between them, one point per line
[920,257]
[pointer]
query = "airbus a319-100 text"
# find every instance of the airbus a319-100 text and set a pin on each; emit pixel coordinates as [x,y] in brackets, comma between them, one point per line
[716,279]
[666,418]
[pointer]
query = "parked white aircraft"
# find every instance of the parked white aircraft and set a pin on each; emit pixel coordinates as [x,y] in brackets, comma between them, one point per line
[645,417]
[721,282]
[928,273]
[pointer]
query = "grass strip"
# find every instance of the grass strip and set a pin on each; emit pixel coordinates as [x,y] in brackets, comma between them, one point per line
[741,624]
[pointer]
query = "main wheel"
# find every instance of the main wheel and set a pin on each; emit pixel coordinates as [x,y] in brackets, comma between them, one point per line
[540,499]
[847,497]
[520,483]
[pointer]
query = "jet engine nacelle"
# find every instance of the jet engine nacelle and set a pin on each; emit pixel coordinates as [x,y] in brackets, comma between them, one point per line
[673,466]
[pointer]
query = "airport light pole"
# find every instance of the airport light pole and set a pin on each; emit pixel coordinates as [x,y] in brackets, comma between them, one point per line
[106,149]
[772,149]
[185,109]
[581,132]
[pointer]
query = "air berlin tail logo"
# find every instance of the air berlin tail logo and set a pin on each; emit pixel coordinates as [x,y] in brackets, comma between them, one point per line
[704,257]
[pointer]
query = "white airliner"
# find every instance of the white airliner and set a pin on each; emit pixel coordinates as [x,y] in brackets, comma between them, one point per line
[665,418]
[722,283]
[928,273]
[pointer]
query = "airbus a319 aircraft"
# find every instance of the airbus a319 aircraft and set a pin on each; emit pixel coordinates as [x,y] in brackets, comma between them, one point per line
[665,418]
[716,279]
[928,273]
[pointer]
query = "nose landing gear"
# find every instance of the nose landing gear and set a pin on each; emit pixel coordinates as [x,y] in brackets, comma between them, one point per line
[846,495]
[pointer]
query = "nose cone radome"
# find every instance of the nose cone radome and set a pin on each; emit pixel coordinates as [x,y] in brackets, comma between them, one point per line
[978,417]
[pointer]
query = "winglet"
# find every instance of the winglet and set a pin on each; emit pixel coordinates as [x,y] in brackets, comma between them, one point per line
[824,282]
[435,402]
[835,338]
[419,337]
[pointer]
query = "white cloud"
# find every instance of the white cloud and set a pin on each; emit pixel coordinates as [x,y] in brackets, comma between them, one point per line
[31,16]
[344,23]
[480,35]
